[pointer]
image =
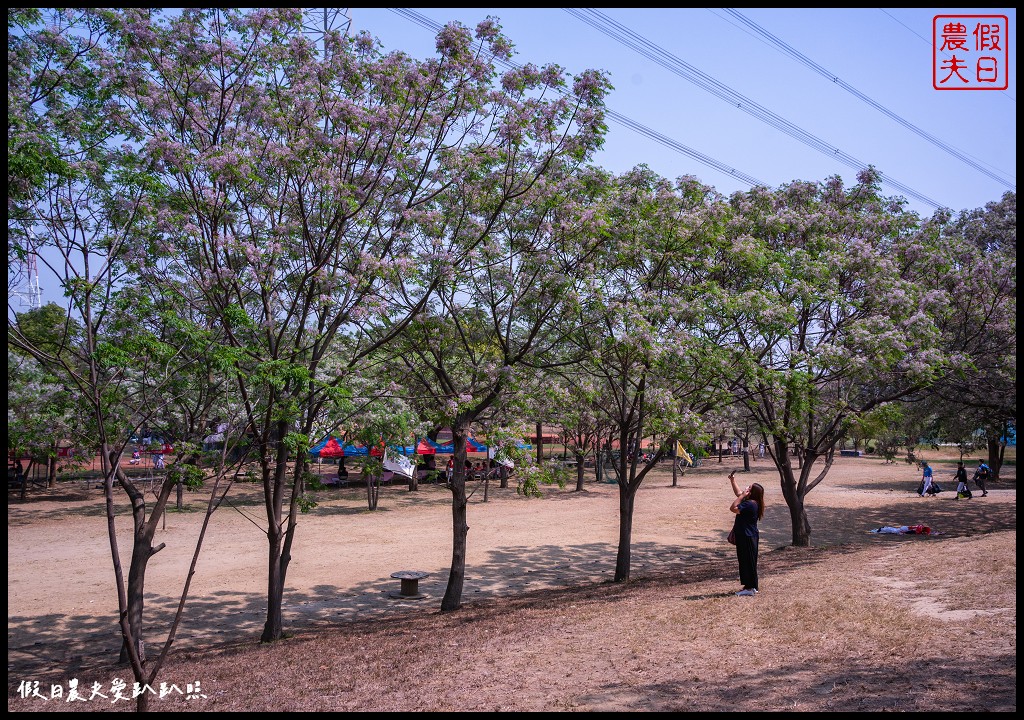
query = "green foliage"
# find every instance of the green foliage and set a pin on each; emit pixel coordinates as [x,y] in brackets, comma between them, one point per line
[297,443]
[235,316]
[306,503]
[885,425]
[312,481]
[191,476]
[532,477]
[44,328]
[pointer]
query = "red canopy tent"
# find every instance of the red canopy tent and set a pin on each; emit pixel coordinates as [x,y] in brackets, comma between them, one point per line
[425,448]
[332,449]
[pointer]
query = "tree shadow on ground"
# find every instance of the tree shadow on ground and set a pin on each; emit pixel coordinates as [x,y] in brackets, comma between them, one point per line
[85,639]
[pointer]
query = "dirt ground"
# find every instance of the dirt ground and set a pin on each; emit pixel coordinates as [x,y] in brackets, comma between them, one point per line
[858,621]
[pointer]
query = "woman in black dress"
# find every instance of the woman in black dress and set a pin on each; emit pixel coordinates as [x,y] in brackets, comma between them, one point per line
[748,508]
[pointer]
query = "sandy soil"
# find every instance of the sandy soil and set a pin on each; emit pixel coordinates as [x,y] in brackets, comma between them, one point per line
[540,613]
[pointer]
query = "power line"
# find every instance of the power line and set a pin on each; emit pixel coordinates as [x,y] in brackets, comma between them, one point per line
[807,62]
[633,125]
[925,40]
[679,147]
[641,45]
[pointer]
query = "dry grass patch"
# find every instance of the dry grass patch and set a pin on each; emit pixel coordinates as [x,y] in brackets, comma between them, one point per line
[856,622]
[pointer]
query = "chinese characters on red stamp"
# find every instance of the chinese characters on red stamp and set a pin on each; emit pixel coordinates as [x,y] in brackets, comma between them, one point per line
[970,52]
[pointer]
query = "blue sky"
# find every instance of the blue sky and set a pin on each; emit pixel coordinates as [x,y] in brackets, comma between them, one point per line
[884,54]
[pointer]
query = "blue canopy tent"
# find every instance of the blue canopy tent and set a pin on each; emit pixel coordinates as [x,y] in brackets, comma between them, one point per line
[471,446]
[349,450]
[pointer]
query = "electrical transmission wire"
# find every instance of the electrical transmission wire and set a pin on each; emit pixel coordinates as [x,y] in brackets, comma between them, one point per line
[807,62]
[641,45]
[633,125]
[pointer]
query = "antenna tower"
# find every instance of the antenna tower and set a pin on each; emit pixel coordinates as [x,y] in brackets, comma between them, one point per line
[25,276]
[317,22]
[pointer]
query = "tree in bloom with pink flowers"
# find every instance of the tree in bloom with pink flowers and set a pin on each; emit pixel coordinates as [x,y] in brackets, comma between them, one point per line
[831,310]
[978,399]
[82,201]
[639,334]
[474,353]
[319,197]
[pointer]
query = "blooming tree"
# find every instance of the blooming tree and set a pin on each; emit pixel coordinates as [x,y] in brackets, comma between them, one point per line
[86,209]
[316,194]
[829,313]
[980,323]
[641,324]
[500,317]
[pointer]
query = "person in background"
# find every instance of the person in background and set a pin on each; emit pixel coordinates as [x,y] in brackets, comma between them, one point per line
[748,507]
[926,480]
[962,491]
[981,476]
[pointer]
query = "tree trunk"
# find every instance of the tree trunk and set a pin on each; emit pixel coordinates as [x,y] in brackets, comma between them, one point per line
[452,599]
[273,628]
[540,445]
[622,559]
[142,551]
[51,468]
[746,455]
[279,536]
[503,477]
[794,500]
[579,471]
[995,456]
[372,489]
[800,524]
